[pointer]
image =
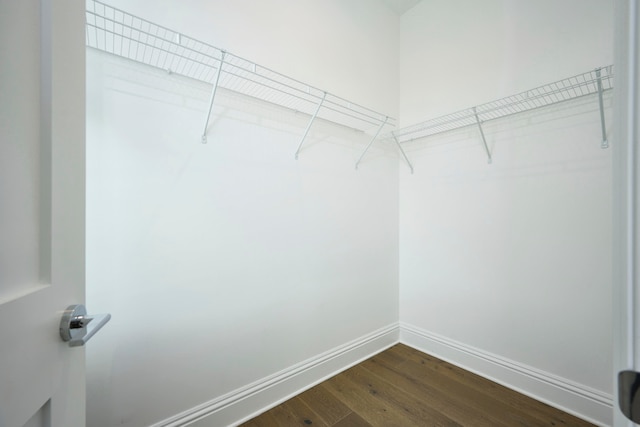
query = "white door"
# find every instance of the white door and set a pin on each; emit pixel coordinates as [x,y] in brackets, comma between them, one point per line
[42,114]
[626,166]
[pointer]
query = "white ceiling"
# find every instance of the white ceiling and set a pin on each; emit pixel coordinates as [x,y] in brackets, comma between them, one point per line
[400,6]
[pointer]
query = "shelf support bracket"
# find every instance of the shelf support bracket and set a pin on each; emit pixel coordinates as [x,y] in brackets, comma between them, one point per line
[306,131]
[605,142]
[406,159]
[484,141]
[372,139]
[213,97]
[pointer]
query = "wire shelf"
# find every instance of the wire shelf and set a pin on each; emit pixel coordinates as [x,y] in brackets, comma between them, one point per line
[563,90]
[117,32]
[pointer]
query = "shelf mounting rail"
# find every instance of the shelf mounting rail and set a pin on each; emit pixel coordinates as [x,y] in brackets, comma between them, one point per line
[593,82]
[120,33]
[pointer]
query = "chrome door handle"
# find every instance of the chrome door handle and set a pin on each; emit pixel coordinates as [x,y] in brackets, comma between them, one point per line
[76,327]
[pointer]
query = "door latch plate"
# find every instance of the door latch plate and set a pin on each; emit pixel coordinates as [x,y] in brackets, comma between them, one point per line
[629,394]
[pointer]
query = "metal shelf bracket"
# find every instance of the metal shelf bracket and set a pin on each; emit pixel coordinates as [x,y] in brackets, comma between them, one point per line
[402,151]
[306,131]
[605,142]
[372,139]
[484,141]
[213,97]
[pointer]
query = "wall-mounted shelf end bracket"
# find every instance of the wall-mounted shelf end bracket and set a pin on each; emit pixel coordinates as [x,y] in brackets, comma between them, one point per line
[406,159]
[386,119]
[484,141]
[213,97]
[306,131]
[605,143]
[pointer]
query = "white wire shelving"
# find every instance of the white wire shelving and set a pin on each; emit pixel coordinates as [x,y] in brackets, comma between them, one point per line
[590,83]
[120,33]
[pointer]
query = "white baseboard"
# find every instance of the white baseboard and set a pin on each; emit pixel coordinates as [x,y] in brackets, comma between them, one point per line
[245,403]
[584,402]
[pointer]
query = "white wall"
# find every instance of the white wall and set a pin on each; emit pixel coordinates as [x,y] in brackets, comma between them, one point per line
[349,48]
[228,262]
[456,54]
[509,261]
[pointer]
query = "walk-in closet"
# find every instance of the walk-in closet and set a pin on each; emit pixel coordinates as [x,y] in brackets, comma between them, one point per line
[278,190]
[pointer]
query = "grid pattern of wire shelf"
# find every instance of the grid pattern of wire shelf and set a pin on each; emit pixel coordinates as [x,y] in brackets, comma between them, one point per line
[120,33]
[563,90]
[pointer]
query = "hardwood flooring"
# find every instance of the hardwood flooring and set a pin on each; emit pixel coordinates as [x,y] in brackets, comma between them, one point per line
[404,387]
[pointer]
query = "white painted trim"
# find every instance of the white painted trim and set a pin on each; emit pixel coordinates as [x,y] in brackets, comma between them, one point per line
[577,399]
[626,194]
[232,408]
[249,401]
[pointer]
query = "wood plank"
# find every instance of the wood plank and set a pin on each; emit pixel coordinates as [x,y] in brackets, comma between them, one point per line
[266,419]
[533,409]
[302,414]
[280,415]
[412,408]
[328,407]
[465,399]
[480,399]
[352,420]
[439,400]
[374,411]
[293,412]
[404,387]
[393,356]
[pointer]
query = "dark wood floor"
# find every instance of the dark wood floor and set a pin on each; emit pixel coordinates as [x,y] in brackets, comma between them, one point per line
[404,387]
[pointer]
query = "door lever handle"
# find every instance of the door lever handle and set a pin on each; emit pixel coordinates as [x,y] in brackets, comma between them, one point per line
[76,327]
